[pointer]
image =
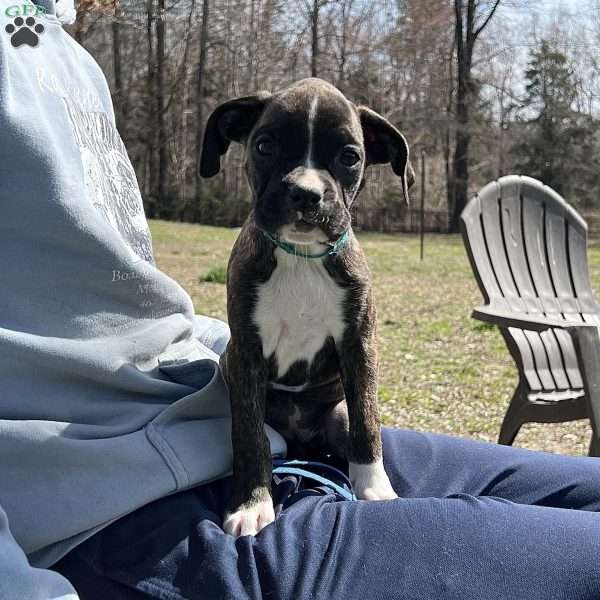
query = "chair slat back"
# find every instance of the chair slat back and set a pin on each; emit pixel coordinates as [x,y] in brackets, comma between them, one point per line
[528,250]
[510,207]
[577,244]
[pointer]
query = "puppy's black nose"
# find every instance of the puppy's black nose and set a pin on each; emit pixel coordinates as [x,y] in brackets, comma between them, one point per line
[302,197]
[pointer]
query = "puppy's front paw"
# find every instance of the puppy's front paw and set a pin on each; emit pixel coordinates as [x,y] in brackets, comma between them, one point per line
[370,481]
[249,519]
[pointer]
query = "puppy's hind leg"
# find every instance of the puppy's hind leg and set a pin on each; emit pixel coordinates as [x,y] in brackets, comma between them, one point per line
[336,427]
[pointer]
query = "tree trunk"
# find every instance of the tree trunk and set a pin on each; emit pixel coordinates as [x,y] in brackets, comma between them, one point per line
[466,35]
[251,75]
[118,96]
[80,23]
[314,28]
[341,75]
[200,93]
[460,162]
[446,140]
[150,191]
[164,202]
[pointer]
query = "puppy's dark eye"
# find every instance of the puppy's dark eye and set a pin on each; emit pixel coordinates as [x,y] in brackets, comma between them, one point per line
[265,147]
[349,157]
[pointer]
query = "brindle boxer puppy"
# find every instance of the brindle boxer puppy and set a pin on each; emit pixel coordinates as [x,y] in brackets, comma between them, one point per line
[299,297]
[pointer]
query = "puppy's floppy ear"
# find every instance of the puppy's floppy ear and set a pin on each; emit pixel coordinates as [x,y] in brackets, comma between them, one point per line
[232,121]
[385,144]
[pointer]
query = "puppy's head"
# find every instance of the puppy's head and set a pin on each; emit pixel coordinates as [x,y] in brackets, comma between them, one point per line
[306,151]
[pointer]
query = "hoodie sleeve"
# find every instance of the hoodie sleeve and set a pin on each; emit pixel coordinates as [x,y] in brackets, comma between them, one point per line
[108,400]
[19,580]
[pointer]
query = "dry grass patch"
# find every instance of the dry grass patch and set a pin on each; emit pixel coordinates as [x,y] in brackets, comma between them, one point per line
[439,369]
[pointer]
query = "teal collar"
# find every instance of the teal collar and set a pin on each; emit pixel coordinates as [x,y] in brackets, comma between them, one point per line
[339,245]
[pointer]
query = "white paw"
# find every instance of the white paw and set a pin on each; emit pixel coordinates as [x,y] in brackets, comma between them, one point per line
[250,519]
[370,481]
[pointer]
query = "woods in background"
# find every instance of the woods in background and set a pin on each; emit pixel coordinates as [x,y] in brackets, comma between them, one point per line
[483,87]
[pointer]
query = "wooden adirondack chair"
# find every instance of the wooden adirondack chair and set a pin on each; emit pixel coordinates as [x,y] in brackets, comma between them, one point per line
[528,251]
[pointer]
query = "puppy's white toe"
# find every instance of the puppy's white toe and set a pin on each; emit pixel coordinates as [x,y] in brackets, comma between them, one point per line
[249,520]
[370,481]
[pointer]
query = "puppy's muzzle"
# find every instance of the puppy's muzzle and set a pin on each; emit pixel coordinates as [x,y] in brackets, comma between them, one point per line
[305,189]
[303,199]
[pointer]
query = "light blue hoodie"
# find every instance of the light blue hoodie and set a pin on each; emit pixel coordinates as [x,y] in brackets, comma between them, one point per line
[90,427]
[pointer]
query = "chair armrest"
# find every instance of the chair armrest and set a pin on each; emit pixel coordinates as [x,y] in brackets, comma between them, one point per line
[530,322]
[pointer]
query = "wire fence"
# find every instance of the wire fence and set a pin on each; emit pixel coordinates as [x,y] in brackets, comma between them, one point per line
[399,219]
[593,223]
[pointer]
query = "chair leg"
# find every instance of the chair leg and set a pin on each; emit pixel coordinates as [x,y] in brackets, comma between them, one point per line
[587,347]
[594,445]
[595,441]
[513,420]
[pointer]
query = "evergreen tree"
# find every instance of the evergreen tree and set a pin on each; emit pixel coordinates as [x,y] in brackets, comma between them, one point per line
[557,141]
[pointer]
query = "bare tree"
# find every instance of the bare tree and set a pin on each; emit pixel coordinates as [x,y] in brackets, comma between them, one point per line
[163,157]
[200,102]
[118,96]
[468,26]
[150,137]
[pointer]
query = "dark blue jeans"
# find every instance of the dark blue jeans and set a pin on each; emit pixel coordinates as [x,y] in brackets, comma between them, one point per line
[473,520]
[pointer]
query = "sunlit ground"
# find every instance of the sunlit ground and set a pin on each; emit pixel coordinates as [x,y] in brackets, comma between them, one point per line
[439,369]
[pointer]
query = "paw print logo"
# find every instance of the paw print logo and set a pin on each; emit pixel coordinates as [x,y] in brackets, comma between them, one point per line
[24,32]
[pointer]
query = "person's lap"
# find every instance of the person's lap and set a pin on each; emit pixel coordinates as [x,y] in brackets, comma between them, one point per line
[473,520]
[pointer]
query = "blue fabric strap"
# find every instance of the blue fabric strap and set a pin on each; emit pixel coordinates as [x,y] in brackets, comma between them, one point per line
[294,467]
[339,245]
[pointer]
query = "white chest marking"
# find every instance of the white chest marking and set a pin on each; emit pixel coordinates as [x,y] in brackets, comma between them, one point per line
[298,308]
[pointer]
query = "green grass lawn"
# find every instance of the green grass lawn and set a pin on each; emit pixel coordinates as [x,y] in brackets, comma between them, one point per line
[439,369]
